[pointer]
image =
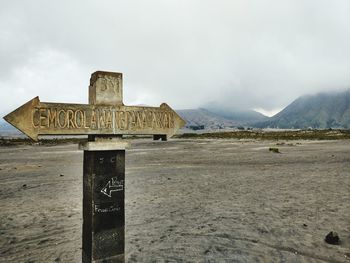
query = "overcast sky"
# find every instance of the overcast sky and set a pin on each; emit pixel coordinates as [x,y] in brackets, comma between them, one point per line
[240,53]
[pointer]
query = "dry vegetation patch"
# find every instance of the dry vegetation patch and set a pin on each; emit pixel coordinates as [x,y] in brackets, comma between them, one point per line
[273,135]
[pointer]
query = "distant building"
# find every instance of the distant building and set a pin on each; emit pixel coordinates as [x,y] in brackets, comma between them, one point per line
[196,127]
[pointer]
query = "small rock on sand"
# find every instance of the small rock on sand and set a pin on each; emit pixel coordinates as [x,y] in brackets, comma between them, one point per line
[332,238]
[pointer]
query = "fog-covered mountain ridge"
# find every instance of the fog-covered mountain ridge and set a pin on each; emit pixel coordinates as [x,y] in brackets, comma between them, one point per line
[319,111]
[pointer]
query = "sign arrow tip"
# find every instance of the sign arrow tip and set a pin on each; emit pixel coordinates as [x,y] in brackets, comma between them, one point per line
[179,122]
[21,118]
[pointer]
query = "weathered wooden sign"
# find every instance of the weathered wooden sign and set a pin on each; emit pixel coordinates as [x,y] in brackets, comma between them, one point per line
[42,118]
[104,119]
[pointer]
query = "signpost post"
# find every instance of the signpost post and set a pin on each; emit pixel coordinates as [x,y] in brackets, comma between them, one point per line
[105,120]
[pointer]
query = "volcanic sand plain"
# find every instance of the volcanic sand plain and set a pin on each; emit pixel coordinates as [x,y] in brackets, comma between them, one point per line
[187,200]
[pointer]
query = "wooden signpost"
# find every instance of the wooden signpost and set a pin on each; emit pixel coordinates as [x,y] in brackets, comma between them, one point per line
[105,119]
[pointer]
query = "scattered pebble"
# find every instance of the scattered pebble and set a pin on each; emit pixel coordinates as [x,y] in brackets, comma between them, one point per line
[305,225]
[274,150]
[43,241]
[332,238]
[61,175]
[24,186]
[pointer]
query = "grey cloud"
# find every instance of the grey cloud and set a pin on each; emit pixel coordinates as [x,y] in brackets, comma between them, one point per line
[246,54]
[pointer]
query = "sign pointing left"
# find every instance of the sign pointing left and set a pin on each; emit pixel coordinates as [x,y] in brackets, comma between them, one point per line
[42,118]
[19,118]
[113,185]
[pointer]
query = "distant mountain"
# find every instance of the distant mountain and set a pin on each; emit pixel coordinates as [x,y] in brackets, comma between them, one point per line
[217,119]
[243,117]
[4,125]
[7,129]
[320,111]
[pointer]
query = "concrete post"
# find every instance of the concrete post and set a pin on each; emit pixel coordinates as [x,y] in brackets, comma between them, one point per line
[104,181]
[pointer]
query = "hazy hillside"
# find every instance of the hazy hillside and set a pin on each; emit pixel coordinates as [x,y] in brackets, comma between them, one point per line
[4,126]
[321,111]
[211,119]
[244,117]
[7,129]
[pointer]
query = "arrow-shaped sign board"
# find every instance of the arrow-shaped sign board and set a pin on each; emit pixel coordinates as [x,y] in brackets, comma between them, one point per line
[40,118]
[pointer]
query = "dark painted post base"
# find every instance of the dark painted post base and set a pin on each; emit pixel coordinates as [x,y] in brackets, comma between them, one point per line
[103,206]
[160,137]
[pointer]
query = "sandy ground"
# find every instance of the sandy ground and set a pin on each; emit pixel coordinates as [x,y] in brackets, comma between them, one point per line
[186,201]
